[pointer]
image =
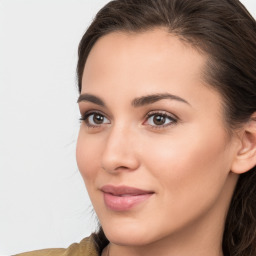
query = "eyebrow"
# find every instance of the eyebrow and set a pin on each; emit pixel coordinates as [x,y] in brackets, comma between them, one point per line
[91,98]
[149,99]
[137,102]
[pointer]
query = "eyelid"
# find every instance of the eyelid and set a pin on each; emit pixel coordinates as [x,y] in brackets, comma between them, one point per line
[162,112]
[93,111]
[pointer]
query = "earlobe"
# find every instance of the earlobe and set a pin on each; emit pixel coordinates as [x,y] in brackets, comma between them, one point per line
[245,158]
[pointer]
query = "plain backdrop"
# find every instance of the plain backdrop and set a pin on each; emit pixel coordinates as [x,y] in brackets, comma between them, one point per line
[43,201]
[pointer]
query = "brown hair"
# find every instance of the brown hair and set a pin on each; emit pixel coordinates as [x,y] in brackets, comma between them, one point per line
[224,31]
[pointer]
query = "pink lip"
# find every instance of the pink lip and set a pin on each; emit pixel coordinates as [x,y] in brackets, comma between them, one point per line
[123,198]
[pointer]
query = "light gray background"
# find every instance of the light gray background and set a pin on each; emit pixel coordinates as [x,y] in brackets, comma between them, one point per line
[43,201]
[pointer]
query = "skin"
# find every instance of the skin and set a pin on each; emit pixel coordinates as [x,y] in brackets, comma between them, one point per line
[186,162]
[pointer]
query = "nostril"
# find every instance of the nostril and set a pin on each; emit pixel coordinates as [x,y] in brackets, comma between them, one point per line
[122,167]
[117,168]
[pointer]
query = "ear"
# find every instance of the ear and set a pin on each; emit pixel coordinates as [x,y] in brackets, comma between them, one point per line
[245,158]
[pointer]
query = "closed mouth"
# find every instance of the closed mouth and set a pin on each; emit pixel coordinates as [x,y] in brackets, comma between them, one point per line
[124,198]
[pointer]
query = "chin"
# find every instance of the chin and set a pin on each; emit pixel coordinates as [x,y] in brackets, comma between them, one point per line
[129,235]
[128,239]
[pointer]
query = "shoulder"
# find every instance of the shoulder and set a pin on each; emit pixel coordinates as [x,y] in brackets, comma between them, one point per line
[85,248]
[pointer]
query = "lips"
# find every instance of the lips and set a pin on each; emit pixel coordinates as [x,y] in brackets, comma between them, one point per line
[123,198]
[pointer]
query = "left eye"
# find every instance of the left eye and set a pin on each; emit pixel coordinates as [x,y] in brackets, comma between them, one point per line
[159,119]
[95,119]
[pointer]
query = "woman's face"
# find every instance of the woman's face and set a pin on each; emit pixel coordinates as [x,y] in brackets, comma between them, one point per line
[153,149]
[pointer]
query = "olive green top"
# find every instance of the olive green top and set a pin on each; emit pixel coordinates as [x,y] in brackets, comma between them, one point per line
[85,248]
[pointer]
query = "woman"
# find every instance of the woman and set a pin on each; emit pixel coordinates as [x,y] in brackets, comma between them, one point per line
[167,144]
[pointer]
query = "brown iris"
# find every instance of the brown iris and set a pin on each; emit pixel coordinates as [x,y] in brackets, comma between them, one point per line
[98,119]
[159,119]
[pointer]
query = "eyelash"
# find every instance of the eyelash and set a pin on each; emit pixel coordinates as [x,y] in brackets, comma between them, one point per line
[173,119]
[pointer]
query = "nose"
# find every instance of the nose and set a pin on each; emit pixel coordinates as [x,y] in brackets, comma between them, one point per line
[119,152]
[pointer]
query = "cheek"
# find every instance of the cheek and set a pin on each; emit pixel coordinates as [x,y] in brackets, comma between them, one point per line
[187,166]
[87,156]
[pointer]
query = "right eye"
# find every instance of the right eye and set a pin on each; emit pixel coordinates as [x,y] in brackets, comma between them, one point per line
[94,119]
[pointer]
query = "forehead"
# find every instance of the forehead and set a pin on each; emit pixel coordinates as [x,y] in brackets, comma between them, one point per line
[138,53]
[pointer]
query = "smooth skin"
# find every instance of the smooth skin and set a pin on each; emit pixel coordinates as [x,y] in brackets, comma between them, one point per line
[176,145]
